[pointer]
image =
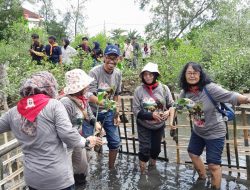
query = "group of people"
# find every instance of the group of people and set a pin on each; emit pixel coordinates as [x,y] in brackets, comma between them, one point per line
[64,54]
[53,131]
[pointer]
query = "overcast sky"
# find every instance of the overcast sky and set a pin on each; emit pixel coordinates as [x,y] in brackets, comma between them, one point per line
[115,14]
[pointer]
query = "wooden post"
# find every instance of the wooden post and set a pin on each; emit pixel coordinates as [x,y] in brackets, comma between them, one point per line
[133,124]
[246,143]
[125,127]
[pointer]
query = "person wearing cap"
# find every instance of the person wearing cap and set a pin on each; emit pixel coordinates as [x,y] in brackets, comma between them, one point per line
[152,106]
[53,51]
[41,125]
[76,104]
[107,78]
[36,49]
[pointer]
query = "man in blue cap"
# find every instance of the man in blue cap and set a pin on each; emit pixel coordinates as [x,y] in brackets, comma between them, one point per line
[107,78]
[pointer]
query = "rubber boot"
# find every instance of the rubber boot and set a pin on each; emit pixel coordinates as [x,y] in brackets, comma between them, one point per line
[143,166]
[112,158]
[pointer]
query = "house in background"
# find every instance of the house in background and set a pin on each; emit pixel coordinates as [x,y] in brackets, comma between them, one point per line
[34,20]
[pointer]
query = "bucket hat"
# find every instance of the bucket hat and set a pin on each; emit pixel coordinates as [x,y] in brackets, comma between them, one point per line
[150,67]
[76,80]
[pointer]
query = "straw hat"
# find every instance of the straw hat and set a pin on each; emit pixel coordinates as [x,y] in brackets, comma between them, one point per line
[150,67]
[76,80]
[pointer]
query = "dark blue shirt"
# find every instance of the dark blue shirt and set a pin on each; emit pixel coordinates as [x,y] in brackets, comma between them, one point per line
[56,52]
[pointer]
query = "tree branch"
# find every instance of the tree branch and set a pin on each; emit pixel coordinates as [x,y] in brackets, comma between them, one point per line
[198,13]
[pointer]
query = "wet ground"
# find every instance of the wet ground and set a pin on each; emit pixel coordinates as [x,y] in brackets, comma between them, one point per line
[167,176]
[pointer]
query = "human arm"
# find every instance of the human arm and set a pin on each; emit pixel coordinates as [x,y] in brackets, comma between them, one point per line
[220,94]
[93,88]
[65,130]
[243,99]
[5,123]
[117,120]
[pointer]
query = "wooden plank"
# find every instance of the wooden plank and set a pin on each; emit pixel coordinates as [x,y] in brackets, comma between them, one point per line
[19,155]
[11,176]
[17,185]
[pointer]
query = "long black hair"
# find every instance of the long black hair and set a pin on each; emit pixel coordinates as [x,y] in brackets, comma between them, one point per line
[204,78]
[66,41]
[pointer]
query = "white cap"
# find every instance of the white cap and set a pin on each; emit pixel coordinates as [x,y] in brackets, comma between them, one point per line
[150,67]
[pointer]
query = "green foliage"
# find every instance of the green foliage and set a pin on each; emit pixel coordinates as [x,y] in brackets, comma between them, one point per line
[56,29]
[10,11]
[171,61]
[101,38]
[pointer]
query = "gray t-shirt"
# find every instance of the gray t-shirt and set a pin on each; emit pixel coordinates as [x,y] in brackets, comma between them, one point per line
[143,101]
[75,113]
[104,82]
[46,164]
[213,125]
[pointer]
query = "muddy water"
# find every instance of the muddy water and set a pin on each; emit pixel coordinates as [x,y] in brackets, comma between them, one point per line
[164,176]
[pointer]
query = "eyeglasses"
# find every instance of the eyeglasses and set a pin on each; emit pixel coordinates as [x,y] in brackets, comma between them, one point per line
[193,73]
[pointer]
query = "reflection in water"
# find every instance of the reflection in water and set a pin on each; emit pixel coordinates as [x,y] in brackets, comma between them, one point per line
[165,176]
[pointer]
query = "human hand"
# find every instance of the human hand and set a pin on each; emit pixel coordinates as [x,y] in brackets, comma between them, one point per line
[157,116]
[165,115]
[94,141]
[117,120]
[99,129]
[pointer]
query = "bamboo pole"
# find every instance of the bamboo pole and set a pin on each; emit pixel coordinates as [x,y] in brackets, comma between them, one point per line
[246,143]
[228,148]
[125,128]
[8,156]
[236,144]
[133,124]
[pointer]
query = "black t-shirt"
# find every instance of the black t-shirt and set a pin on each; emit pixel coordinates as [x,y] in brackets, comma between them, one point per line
[39,48]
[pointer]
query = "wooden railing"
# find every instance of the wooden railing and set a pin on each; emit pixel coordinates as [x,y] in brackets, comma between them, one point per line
[236,155]
[11,165]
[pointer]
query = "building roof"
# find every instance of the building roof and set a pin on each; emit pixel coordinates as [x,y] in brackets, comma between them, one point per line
[29,14]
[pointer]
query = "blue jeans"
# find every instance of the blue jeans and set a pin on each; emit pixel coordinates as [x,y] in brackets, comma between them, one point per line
[214,148]
[87,129]
[112,133]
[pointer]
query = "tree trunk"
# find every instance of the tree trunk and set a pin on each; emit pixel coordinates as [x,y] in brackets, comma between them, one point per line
[3,85]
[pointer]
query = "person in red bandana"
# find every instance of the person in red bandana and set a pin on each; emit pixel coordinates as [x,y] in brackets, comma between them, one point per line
[82,118]
[152,106]
[42,126]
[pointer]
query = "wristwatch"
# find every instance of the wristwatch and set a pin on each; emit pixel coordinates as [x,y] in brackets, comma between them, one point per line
[87,142]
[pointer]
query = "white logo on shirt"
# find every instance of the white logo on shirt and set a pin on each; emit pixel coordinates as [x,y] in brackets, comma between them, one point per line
[30,103]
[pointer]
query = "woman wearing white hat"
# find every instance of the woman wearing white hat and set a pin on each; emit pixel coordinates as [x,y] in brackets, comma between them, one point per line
[152,105]
[77,82]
